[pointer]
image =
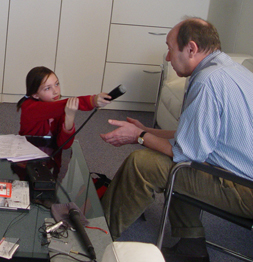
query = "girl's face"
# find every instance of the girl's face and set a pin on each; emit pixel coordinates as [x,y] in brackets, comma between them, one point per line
[49,90]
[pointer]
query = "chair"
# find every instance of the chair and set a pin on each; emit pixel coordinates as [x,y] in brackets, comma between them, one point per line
[215,171]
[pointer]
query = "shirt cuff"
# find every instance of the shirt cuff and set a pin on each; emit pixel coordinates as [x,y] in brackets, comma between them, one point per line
[178,155]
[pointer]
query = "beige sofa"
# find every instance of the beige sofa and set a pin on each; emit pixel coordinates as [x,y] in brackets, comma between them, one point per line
[172,92]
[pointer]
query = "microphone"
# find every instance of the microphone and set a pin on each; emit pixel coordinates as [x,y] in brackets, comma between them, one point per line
[74,216]
[116,92]
[54,227]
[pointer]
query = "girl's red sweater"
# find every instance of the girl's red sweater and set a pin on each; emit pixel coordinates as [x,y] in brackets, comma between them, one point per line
[43,118]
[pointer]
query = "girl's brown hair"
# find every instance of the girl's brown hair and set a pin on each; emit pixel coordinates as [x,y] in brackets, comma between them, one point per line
[34,79]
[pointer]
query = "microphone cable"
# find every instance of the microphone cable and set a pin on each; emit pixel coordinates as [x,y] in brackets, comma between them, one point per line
[60,148]
[57,150]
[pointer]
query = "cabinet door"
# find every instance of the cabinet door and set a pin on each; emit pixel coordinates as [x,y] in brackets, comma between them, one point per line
[32,39]
[82,45]
[141,81]
[3,31]
[137,44]
[157,13]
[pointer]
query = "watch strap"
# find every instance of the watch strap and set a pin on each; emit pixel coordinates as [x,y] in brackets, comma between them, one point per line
[142,134]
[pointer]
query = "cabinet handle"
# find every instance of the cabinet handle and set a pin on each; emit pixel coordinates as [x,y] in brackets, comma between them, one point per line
[151,72]
[152,33]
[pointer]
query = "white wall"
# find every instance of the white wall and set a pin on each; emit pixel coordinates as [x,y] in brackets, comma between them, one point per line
[234,21]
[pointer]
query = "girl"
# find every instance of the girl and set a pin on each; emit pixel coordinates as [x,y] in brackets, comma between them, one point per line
[42,111]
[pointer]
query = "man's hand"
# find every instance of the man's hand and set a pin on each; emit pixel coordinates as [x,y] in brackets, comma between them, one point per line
[127,133]
[136,123]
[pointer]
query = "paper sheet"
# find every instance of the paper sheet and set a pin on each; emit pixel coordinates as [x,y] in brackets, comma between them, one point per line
[8,247]
[16,148]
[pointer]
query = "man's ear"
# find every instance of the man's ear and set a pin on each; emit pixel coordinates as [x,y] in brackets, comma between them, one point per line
[192,48]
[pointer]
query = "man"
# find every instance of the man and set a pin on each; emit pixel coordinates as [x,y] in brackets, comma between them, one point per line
[215,127]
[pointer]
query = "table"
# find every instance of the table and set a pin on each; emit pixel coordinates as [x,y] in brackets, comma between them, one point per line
[74,185]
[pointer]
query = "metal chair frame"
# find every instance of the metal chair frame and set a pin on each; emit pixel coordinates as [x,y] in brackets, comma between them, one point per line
[215,171]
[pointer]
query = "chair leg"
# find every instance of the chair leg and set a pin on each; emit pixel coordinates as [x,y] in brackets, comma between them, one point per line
[168,196]
[228,251]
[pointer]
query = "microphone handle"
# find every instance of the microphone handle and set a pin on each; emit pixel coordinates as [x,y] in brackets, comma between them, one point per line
[116,92]
[75,218]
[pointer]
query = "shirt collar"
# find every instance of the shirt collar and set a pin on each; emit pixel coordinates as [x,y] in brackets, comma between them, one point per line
[205,62]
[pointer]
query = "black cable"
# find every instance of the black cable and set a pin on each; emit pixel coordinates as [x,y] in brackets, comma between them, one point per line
[64,191]
[60,148]
[61,232]
[86,196]
[58,254]
[13,222]
[57,150]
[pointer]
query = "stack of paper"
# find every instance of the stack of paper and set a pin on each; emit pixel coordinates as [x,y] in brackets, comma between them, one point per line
[16,148]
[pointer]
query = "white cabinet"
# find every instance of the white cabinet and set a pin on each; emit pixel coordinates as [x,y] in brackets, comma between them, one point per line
[83,37]
[159,13]
[70,37]
[132,77]
[137,43]
[133,59]
[32,39]
[92,45]
[3,32]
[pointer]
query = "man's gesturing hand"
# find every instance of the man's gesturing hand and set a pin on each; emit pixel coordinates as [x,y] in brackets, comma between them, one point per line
[126,133]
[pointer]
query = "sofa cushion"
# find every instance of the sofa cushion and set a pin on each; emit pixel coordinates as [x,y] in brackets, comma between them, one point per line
[248,63]
[172,96]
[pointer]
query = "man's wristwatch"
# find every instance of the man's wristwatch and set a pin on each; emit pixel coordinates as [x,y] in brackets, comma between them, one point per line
[140,138]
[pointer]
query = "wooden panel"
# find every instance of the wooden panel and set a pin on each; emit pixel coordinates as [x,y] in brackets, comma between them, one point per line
[82,46]
[141,86]
[32,39]
[162,13]
[3,31]
[136,44]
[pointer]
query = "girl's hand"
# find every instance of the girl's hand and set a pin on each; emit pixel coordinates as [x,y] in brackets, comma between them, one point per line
[100,100]
[70,112]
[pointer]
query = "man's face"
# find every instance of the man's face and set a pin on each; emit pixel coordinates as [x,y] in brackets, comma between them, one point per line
[179,59]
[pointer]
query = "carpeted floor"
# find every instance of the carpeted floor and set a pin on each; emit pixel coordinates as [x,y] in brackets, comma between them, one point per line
[104,158]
